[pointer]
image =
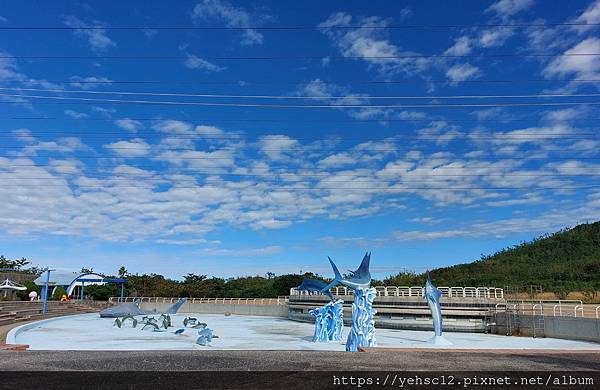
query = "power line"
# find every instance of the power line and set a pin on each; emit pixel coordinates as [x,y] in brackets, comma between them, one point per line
[391,139]
[295,120]
[262,82]
[318,27]
[295,58]
[318,97]
[82,100]
[271,169]
[232,157]
[318,188]
[405,175]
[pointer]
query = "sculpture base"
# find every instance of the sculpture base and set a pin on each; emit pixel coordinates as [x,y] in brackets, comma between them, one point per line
[362,333]
[439,341]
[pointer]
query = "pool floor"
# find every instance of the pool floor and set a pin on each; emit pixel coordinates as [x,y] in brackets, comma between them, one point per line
[90,332]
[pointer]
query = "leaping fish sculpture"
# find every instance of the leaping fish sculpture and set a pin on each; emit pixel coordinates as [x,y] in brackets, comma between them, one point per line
[432,296]
[361,278]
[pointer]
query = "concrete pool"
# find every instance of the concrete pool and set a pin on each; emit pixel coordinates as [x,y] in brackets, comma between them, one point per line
[90,332]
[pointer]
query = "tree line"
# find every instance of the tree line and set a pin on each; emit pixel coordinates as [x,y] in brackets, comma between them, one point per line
[568,260]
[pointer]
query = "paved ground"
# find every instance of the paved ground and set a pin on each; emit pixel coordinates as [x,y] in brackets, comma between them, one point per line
[294,360]
[90,332]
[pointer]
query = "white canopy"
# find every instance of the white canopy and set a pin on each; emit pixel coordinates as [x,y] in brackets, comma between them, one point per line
[9,284]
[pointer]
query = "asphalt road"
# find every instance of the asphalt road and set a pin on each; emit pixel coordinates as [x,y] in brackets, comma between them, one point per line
[296,360]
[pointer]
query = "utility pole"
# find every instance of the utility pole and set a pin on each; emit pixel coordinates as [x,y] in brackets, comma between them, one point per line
[46,289]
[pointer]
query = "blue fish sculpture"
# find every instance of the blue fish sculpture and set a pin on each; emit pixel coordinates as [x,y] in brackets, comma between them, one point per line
[315,285]
[432,296]
[205,336]
[179,331]
[361,278]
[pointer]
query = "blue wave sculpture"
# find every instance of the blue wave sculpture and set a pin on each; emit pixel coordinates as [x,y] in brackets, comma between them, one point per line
[362,333]
[329,321]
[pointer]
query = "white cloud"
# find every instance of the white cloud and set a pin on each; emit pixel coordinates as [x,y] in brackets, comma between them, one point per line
[277,147]
[372,45]
[76,114]
[462,46]
[93,32]
[172,126]
[584,67]
[505,8]
[194,62]
[232,16]
[129,124]
[495,37]
[136,147]
[462,72]
[89,82]
[590,16]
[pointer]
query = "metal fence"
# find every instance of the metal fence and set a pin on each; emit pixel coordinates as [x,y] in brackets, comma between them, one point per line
[555,308]
[227,301]
[406,291]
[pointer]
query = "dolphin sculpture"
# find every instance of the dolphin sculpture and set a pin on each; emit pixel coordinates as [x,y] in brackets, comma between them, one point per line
[133,309]
[432,296]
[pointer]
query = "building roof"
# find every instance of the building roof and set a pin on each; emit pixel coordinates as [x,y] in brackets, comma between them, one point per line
[64,278]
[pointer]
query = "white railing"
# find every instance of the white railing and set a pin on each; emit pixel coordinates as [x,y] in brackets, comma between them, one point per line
[227,301]
[573,308]
[417,291]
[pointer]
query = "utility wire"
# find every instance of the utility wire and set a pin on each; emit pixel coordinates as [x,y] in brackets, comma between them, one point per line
[317,188]
[81,100]
[232,157]
[242,83]
[318,27]
[295,58]
[390,139]
[317,97]
[295,120]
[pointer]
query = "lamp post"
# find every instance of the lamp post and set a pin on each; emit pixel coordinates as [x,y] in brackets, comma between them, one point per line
[45,305]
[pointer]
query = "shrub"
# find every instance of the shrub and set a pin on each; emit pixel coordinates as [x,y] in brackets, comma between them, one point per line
[58,293]
[24,295]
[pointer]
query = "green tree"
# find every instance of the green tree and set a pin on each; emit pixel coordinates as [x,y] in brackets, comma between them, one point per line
[103,292]
[24,295]
[58,293]
[122,271]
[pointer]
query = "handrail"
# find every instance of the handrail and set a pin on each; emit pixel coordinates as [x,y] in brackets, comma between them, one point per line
[281,300]
[417,291]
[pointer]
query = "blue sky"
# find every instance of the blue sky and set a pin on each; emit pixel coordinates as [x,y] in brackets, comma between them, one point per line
[237,190]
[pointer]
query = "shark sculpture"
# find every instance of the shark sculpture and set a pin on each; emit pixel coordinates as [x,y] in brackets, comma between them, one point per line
[133,309]
[361,278]
[315,285]
[432,296]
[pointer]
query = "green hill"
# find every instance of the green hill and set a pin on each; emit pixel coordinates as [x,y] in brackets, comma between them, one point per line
[567,260]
